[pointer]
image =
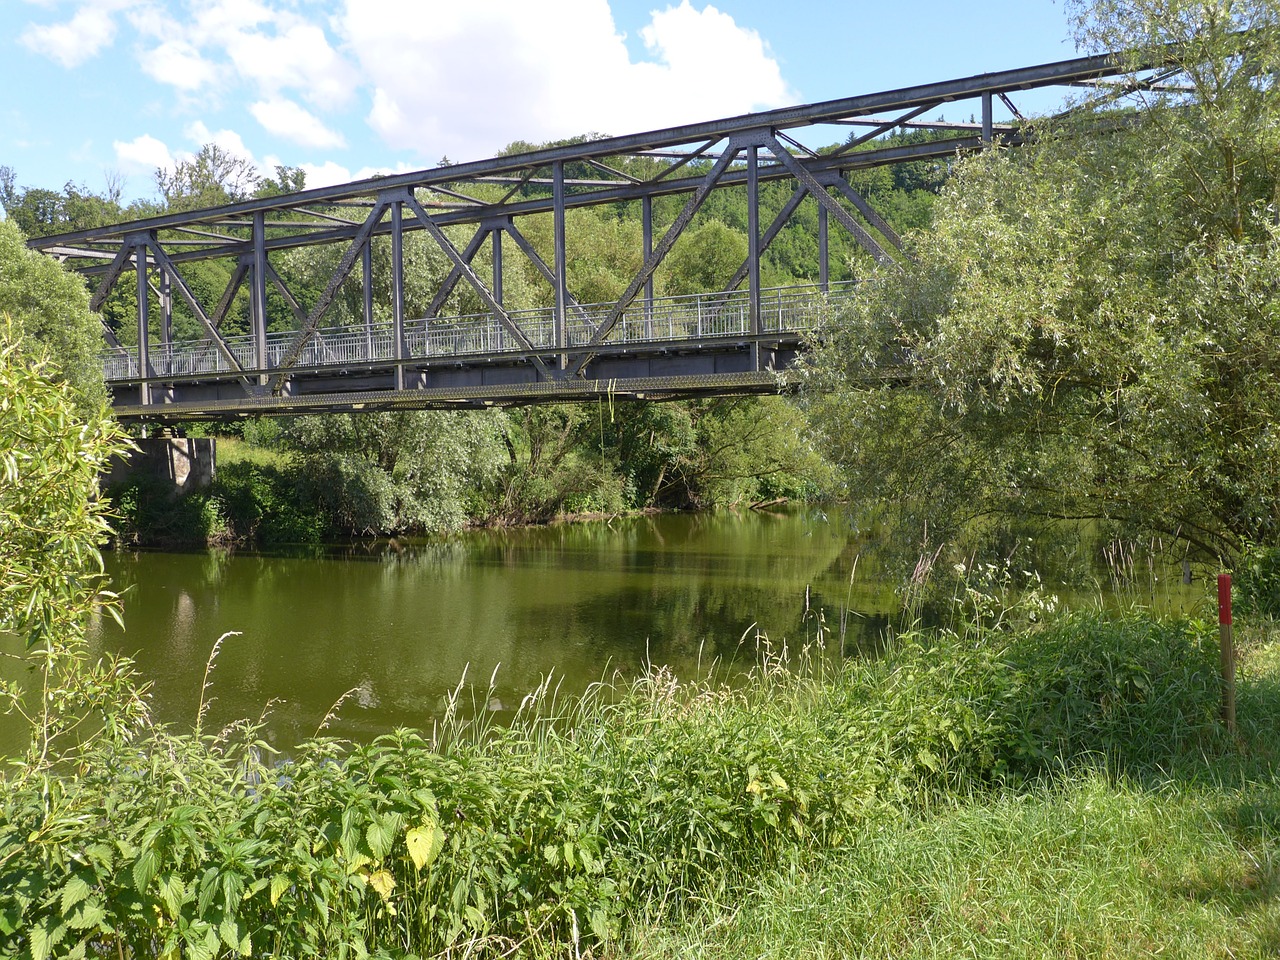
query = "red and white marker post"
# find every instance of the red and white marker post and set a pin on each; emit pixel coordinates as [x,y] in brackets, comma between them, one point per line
[1228,653]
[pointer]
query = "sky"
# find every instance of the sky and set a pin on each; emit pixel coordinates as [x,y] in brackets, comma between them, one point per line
[99,90]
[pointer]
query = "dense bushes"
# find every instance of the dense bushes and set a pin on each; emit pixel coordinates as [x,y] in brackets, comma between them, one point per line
[248,503]
[314,478]
[560,828]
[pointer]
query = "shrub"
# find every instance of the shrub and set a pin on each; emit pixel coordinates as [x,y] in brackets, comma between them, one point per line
[51,527]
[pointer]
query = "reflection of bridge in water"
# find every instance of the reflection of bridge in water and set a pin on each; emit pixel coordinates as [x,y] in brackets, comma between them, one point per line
[295,358]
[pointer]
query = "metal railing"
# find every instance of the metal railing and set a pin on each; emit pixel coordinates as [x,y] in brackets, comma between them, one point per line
[712,316]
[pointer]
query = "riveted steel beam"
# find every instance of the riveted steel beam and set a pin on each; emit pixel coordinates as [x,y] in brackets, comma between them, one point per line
[330,291]
[455,274]
[811,183]
[164,263]
[708,133]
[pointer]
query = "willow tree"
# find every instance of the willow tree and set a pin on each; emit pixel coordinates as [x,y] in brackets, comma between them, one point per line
[1090,329]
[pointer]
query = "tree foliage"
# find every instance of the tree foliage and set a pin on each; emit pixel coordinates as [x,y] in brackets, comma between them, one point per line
[51,306]
[392,472]
[212,177]
[51,526]
[1090,328]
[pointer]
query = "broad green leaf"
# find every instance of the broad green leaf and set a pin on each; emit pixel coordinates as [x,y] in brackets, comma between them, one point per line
[144,870]
[425,843]
[75,890]
[383,883]
[380,835]
[235,936]
[279,884]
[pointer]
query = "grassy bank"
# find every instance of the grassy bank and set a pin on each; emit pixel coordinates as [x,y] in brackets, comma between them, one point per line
[1050,790]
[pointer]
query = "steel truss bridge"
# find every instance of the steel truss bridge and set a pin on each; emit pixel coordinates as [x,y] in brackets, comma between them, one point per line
[736,340]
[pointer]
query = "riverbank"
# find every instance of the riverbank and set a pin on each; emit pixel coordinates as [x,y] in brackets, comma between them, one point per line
[259,499]
[311,480]
[1027,789]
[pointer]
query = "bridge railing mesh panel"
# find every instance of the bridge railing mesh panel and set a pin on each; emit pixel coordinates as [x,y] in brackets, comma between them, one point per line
[697,317]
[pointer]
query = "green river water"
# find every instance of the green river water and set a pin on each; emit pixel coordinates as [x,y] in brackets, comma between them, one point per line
[402,624]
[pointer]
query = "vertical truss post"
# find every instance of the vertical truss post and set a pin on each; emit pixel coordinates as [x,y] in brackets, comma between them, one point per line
[497,265]
[677,227]
[166,311]
[258,295]
[986,118]
[366,263]
[824,251]
[646,215]
[753,250]
[561,264]
[144,323]
[397,288]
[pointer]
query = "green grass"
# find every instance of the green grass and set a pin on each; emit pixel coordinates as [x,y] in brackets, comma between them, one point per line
[234,450]
[1090,867]
[1176,855]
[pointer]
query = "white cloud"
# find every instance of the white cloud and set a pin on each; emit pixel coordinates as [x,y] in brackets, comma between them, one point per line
[297,56]
[472,77]
[142,154]
[328,174]
[364,173]
[325,174]
[75,41]
[180,65]
[284,118]
[706,51]
[228,140]
[224,18]
[274,48]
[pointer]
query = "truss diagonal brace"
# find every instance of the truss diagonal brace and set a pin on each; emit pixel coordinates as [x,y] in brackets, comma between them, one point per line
[124,257]
[299,313]
[883,128]
[451,281]
[331,288]
[775,228]
[233,287]
[864,208]
[472,278]
[662,249]
[812,184]
[539,264]
[110,334]
[168,266]
[290,300]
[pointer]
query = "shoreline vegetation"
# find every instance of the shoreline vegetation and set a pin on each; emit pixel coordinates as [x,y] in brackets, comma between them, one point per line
[1020,783]
[1089,328]
[316,480]
[1015,781]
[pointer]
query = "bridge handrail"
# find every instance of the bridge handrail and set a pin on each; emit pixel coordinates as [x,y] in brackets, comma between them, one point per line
[699,316]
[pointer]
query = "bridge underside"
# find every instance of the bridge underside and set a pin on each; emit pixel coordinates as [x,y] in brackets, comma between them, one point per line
[674,371]
[266,330]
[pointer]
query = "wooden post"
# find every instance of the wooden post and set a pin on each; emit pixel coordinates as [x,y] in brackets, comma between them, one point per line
[1228,653]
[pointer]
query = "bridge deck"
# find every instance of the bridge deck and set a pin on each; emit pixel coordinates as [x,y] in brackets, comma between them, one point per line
[668,347]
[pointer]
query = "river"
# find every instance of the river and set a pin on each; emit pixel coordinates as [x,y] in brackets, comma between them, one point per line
[397,626]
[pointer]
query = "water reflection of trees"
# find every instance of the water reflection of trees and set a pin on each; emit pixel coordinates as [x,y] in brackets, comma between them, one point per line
[402,621]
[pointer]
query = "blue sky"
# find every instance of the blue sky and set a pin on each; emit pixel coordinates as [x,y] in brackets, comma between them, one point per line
[346,88]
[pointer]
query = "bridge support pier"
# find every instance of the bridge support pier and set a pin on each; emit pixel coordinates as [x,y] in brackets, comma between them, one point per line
[188,463]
